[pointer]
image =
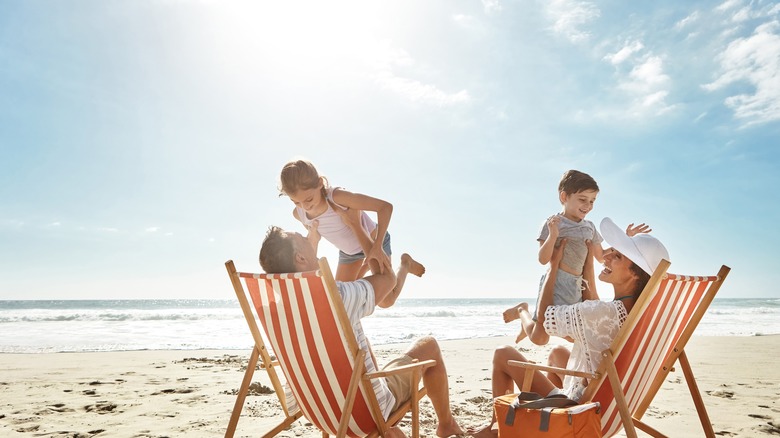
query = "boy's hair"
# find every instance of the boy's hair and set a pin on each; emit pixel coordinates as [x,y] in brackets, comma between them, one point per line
[574,181]
[299,175]
[277,252]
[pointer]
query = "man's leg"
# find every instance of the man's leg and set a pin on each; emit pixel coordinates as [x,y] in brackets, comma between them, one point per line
[435,381]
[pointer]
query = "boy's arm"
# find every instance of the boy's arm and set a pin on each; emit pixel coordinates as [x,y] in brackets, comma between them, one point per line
[313,235]
[546,248]
[383,209]
[546,299]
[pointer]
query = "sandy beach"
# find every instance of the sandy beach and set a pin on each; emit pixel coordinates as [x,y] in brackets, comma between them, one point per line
[175,393]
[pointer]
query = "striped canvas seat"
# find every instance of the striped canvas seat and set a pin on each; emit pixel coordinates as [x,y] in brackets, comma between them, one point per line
[646,348]
[306,326]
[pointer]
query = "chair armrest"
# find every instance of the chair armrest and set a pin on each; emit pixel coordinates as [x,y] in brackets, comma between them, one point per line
[537,367]
[402,369]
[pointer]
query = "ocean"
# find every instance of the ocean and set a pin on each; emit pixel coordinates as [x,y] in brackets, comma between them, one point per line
[121,325]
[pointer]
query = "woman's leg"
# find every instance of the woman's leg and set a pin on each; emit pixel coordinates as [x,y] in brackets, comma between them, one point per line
[505,378]
[559,357]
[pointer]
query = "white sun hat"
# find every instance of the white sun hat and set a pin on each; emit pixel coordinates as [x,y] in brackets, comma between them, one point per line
[643,249]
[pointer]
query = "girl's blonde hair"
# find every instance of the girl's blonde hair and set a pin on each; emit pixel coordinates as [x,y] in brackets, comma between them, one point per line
[300,175]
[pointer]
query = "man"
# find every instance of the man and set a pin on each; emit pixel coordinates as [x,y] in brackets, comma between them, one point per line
[284,251]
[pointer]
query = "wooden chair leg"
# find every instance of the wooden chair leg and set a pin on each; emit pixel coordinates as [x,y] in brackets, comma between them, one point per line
[620,399]
[242,391]
[697,400]
[346,411]
[415,403]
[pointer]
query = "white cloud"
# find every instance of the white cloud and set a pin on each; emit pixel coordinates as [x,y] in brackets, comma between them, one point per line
[465,21]
[569,16]
[386,59]
[690,19]
[492,6]
[417,91]
[624,53]
[152,229]
[754,60]
[54,224]
[728,4]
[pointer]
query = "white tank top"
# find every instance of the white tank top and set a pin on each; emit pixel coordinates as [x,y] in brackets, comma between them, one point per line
[334,230]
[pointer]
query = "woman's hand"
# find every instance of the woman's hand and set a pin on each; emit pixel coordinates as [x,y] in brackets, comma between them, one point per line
[557,254]
[632,230]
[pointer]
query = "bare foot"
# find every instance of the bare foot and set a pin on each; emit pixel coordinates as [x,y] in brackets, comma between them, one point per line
[412,265]
[520,336]
[446,430]
[486,431]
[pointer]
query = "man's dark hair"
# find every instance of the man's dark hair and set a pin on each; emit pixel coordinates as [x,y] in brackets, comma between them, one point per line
[574,181]
[277,254]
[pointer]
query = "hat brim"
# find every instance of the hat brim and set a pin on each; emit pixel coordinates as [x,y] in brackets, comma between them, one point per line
[618,239]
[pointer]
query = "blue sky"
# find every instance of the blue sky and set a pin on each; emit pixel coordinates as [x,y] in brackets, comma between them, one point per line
[141,142]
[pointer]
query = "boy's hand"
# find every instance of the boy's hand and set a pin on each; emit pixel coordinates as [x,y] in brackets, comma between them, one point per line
[552,225]
[632,230]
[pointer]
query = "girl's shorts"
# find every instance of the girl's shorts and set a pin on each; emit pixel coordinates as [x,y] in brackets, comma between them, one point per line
[345,259]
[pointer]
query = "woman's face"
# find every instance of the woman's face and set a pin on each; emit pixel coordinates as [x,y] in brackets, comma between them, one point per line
[617,270]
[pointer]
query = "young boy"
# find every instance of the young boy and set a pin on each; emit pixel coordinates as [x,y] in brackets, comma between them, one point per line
[577,193]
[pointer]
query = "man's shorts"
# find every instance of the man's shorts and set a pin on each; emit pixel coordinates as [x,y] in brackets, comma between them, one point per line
[399,384]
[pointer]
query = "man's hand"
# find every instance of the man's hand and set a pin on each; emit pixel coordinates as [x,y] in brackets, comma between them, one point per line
[314,234]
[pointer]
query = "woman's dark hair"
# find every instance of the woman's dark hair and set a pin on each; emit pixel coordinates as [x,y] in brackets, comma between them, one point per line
[642,278]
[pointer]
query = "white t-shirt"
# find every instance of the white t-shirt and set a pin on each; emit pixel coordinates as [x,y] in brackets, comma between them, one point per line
[358,298]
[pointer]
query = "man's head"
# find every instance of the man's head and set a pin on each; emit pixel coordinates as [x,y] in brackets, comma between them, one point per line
[284,251]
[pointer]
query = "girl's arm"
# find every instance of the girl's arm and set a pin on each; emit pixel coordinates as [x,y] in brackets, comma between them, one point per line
[351,218]
[314,235]
[546,248]
[383,210]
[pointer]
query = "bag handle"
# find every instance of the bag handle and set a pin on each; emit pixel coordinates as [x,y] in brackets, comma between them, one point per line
[532,400]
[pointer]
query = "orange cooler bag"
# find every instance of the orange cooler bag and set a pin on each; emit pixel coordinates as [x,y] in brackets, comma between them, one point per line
[528,415]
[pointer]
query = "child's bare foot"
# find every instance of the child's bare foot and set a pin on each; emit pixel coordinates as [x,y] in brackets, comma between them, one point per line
[412,265]
[520,336]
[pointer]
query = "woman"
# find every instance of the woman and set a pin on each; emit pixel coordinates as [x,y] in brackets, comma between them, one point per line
[592,324]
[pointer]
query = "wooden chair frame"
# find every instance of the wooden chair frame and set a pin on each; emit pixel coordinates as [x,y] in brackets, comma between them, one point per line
[609,372]
[359,380]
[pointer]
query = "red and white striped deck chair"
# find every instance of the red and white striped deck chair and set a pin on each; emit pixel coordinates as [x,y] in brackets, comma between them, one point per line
[645,350]
[304,321]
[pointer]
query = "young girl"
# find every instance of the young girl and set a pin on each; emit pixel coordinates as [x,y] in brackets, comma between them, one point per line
[322,210]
